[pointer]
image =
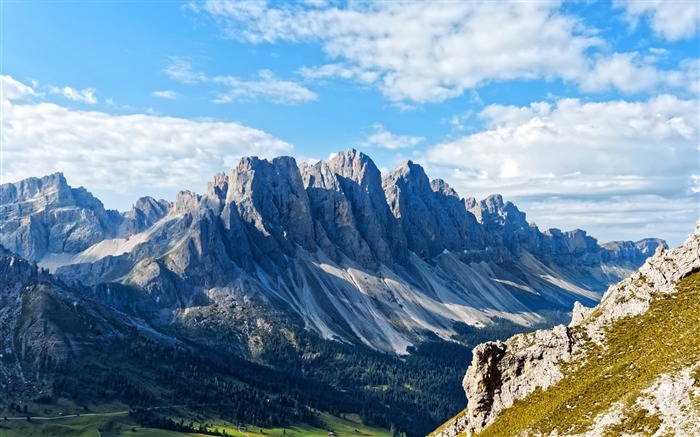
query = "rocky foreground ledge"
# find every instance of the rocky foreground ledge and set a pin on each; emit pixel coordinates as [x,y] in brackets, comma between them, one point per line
[631,364]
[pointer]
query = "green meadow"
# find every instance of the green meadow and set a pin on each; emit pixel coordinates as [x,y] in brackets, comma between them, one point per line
[106,424]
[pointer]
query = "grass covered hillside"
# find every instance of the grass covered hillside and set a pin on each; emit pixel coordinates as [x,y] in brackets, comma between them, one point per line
[612,391]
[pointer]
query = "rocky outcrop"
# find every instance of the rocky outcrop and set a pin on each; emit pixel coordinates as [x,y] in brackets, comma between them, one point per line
[632,296]
[502,373]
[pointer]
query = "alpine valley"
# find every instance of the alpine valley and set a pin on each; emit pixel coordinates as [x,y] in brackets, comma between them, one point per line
[286,294]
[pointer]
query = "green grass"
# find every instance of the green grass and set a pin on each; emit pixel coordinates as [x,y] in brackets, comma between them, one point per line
[636,420]
[449,423]
[638,349]
[342,427]
[123,425]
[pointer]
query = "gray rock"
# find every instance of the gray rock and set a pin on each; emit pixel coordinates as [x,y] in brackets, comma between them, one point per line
[578,314]
[42,216]
[361,183]
[430,215]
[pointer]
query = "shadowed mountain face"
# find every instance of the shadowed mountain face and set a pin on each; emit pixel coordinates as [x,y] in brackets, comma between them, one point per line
[45,323]
[332,247]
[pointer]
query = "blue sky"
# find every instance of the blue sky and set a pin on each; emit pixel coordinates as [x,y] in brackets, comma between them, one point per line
[584,113]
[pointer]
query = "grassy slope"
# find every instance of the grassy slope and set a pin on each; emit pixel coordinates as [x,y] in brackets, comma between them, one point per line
[88,426]
[665,339]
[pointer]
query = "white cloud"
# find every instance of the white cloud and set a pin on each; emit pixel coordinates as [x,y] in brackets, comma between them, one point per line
[630,217]
[672,19]
[422,51]
[573,149]
[14,90]
[387,140]
[432,51]
[124,155]
[316,3]
[608,139]
[166,94]
[331,71]
[267,86]
[633,73]
[86,96]
[624,71]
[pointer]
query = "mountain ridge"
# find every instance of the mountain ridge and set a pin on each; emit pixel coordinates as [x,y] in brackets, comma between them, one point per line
[358,257]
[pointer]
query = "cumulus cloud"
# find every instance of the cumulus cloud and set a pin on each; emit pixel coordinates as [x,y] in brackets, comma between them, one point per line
[574,149]
[612,139]
[432,51]
[166,94]
[624,71]
[672,20]
[14,90]
[422,51]
[123,155]
[266,86]
[387,140]
[632,73]
[86,95]
[331,71]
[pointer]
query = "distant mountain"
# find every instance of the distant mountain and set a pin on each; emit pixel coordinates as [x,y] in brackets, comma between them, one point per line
[629,366]
[332,247]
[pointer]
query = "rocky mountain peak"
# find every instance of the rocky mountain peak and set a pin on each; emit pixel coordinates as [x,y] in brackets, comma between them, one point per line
[442,187]
[218,187]
[408,177]
[145,213]
[357,167]
[494,209]
[361,183]
[633,253]
[186,202]
[45,215]
[33,194]
[271,200]
[504,224]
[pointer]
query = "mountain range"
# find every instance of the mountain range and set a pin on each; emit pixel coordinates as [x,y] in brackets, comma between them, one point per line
[275,252]
[331,246]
